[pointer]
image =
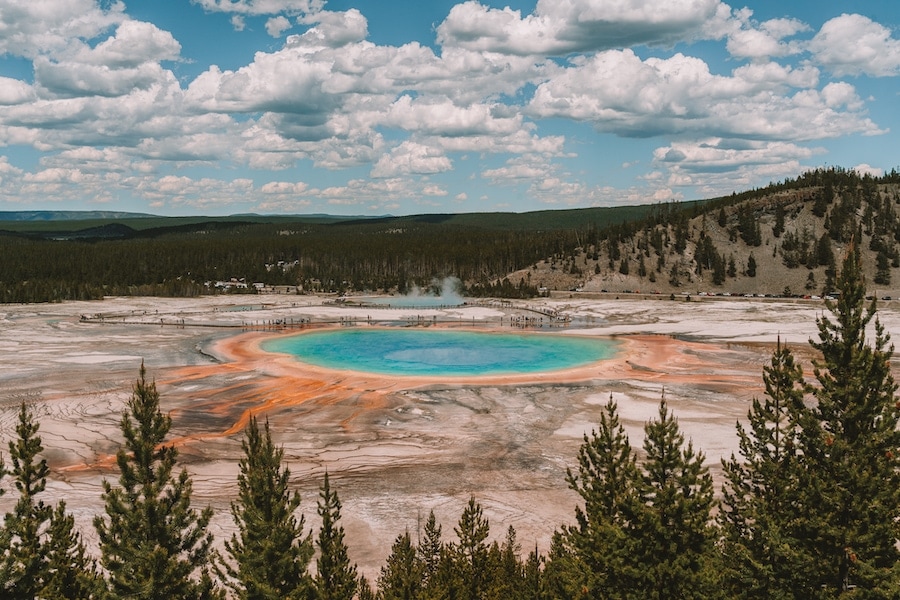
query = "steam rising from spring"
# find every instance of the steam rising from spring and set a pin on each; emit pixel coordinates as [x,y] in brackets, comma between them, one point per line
[441,292]
[446,290]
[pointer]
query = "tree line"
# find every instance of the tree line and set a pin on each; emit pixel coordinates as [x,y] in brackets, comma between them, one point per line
[392,254]
[333,258]
[809,508]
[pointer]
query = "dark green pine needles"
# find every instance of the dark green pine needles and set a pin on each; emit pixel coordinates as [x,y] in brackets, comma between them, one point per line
[270,553]
[154,546]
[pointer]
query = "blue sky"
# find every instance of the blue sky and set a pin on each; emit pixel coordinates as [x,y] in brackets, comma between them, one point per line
[400,107]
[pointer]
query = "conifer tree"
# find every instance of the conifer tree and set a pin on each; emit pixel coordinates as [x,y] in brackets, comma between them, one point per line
[506,577]
[270,552]
[533,586]
[670,536]
[814,511]
[430,548]
[23,566]
[447,582]
[401,576]
[472,550]
[5,535]
[762,503]
[154,546]
[606,480]
[566,575]
[70,573]
[853,448]
[439,574]
[751,266]
[336,577]
[42,554]
[364,590]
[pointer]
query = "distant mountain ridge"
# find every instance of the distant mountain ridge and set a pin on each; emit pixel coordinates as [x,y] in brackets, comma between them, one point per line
[67,215]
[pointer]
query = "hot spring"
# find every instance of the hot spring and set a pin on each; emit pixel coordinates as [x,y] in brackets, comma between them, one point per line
[414,301]
[437,352]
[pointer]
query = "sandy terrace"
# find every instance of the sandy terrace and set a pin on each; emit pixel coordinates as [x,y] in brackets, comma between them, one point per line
[395,447]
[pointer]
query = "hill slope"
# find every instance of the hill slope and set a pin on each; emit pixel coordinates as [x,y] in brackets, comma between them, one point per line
[794,233]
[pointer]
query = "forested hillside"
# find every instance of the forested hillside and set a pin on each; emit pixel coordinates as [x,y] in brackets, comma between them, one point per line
[782,239]
[185,257]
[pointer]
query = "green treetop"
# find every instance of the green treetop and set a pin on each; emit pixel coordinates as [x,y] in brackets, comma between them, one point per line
[42,555]
[270,553]
[401,577]
[670,532]
[154,546]
[852,447]
[336,576]
[592,555]
[762,501]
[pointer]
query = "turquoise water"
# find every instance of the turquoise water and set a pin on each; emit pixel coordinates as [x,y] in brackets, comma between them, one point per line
[441,352]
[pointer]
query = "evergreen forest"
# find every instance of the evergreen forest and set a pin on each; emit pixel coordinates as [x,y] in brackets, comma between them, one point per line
[782,239]
[810,508]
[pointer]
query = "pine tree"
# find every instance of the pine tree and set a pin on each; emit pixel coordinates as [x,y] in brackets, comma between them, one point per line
[439,577]
[533,587]
[778,227]
[606,480]
[671,538]
[882,268]
[447,582]
[364,590]
[154,546]
[506,573]
[70,573]
[336,577]
[761,500]
[270,552]
[430,548]
[401,576]
[810,281]
[42,554]
[472,550]
[824,254]
[5,534]
[853,448]
[23,566]
[751,266]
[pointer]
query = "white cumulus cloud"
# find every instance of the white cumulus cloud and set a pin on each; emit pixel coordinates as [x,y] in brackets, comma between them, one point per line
[49,27]
[261,7]
[867,169]
[767,39]
[14,91]
[333,29]
[852,44]
[443,117]
[411,158]
[277,25]
[620,93]
[280,188]
[562,27]
[134,43]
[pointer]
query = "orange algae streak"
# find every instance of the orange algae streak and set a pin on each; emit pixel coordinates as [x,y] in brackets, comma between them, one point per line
[250,381]
[269,383]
